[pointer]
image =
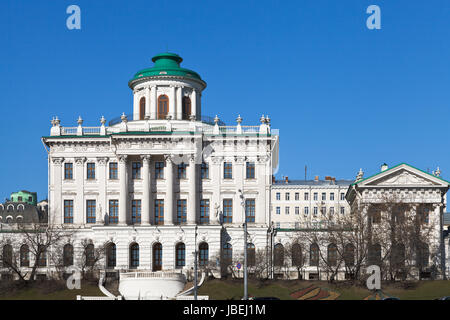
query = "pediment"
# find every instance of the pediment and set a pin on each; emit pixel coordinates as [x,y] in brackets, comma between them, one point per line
[403,176]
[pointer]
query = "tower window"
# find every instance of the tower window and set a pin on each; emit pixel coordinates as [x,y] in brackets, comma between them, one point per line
[186,106]
[142,108]
[163,106]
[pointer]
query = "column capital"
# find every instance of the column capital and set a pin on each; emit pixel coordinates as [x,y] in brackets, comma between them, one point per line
[146,158]
[122,158]
[102,160]
[57,160]
[168,158]
[80,161]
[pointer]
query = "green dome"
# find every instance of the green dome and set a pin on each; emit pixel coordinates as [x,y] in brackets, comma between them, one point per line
[166,64]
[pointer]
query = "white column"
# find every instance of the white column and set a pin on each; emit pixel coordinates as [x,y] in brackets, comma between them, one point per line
[79,206]
[194,103]
[179,103]
[147,102]
[102,205]
[192,198]
[153,106]
[238,178]
[57,206]
[263,181]
[123,180]
[216,203]
[172,102]
[146,194]
[168,202]
[135,105]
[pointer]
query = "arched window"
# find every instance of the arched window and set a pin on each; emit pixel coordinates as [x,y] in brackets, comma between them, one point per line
[186,106]
[68,255]
[314,255]
[332,255]
[134,256]
[297,257]
[89,255]
[251,256]
[180,255]
[227,254]
[203,254]
[7,255]
[24,256]
[422,255]
[374,254]
[142,108]
[163,106]
[278,255]
[42,252]
[111,255]
[349,255]
[157,256]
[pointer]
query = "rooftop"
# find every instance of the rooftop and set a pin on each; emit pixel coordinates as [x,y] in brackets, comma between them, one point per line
[166,64]
[313,182]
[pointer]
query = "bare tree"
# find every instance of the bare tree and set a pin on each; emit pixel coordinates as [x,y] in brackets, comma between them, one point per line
[89,258]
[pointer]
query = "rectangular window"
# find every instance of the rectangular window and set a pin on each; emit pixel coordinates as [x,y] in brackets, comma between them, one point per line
[136,211]
[159,212]
[277,225]
[323,210]
[324,196]
[278,210]
[332,196]
[182,171]
[286,210]
[181,211]
[204,211]
[113,171]
[315,196]
[136,170]
[159,170]
[250,170]
[227,170]
[90,215]
[205,170]
[297,196]
[315,210]
[306,211]
[297,210]
[113,212]
[342,210]
[91,171]
[278,196]
[306,196]
[331,210]
[227,210]
[342,196]
[68,211]
[250,210]
[287,196]
[68,171]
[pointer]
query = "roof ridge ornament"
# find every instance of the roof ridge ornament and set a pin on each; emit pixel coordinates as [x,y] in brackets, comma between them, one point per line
[360,175]
[437,172]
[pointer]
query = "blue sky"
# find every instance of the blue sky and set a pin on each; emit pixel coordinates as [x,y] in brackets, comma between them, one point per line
[342,96]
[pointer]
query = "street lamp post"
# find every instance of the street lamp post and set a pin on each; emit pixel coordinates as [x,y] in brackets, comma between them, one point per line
[245,245]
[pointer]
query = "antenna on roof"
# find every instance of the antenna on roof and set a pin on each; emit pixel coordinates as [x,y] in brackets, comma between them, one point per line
[305,171]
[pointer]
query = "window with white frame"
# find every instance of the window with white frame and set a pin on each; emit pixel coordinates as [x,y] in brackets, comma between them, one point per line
[297,196]
[315,196]
[306,211]
[287,196]
[306,197]
[315,211]
[342,210]
[324,196]
[332,210]
[332,196]
[286,210]
[278,196]
[297,210]
[342,196]
[278,210]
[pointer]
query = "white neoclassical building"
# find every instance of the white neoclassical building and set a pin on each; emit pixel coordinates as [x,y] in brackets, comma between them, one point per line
[148,183]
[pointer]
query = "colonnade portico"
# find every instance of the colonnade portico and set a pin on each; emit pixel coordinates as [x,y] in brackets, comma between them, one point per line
[148,211]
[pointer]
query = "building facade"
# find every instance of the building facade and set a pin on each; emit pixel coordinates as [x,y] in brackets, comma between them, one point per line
[164,182]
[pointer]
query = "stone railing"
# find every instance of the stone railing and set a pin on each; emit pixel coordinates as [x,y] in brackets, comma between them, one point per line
[160,126]
[151,274]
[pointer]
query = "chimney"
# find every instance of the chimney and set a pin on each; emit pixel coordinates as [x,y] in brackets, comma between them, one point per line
[273,179]
[286,179]
[316,178]
[384,167]
[328,178]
